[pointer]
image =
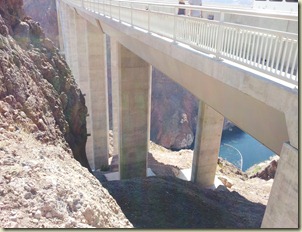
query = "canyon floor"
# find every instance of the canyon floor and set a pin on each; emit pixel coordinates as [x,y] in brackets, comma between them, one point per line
[41,186]
[164,201]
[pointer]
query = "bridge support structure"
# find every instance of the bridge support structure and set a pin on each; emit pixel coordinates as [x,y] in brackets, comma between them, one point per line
[207,144]
[282,207]
[86,55]
[133,80]
[265,110]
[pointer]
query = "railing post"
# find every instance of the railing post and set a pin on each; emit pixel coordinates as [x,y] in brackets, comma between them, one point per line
[104,8]
[174,29]
[219,39]
[119,11]
[110,8]
[148,18]
[131,6]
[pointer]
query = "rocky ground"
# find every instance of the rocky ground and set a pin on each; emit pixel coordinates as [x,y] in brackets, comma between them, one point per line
[254,184]
[168,202]
[165,201]
[43,186]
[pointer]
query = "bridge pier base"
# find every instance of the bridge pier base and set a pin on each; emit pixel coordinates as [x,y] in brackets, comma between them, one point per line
[207,144]
[282,209]
[134,98]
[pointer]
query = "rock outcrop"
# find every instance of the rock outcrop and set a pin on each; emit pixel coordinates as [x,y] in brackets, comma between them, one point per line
[265,170]
[44,12]
[173,113]
[36,82]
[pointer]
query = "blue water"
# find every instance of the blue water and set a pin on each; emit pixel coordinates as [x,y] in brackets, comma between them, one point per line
[235,142]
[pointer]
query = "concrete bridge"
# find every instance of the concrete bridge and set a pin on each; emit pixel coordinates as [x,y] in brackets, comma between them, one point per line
[241,65]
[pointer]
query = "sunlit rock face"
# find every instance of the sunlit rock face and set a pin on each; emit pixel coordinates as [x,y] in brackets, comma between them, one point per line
[173,113]
[37,83]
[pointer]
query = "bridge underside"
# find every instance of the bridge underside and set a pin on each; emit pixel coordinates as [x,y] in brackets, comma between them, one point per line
[264,110]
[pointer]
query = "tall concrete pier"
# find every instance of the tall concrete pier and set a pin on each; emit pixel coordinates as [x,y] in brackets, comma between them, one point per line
[207,144]
[134,96]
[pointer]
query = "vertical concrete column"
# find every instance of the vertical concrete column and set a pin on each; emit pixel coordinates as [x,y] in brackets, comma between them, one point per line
[115,73]
[83,80]
[207,145]
[134,81]
[60,18]
[64,18]
[91,50]
[72,53]
[282,210]
[97,61]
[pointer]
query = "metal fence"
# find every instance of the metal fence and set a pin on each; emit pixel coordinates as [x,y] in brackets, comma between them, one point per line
[274,52]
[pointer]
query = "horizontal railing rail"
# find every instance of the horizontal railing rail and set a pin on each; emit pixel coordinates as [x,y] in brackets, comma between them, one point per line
[273,52]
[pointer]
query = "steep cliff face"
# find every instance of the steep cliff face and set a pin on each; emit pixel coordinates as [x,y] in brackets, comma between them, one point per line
[37,83]
[173,113]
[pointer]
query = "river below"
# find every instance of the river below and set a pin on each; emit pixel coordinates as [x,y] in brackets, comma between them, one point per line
[241,149]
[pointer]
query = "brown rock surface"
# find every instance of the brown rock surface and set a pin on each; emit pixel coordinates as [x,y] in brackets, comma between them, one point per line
[36,82]
[43,186]
[44,12]
[168,202]
[173,113]
[265,170]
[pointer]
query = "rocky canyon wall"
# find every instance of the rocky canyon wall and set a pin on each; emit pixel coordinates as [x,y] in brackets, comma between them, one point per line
[37,84]
[173,113]
[44,12]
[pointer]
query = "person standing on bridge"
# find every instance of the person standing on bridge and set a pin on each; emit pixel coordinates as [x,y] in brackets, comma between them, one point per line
[195,13]
[181,11]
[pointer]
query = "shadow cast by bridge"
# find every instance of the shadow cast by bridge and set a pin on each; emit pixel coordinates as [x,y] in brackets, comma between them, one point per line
[168,202]
[164,201]
[161,169]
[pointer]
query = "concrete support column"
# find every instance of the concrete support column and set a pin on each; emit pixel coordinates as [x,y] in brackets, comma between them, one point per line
[64,18]
[61,19]
[282,208]
[207,145]
[91,51]
[134,81]
[82,64]
[115,72]
[71,44]
[97,60]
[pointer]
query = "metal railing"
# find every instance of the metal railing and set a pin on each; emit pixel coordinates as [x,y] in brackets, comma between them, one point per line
[274,52]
